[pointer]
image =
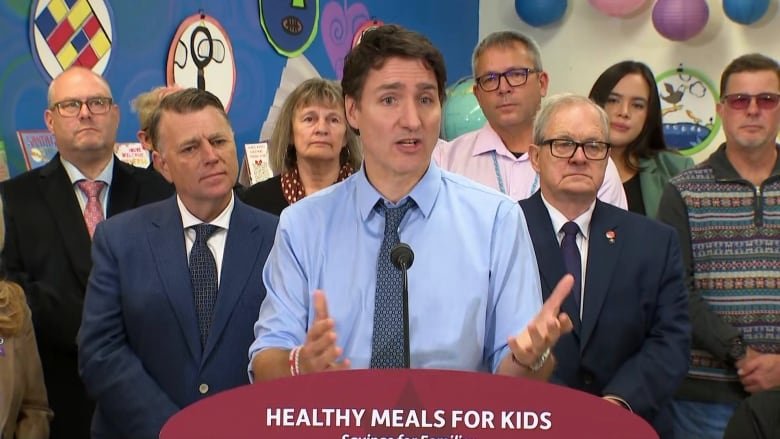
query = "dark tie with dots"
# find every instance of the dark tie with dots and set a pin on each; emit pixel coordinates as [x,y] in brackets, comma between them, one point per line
[572,260]
[387,343]
[203,270]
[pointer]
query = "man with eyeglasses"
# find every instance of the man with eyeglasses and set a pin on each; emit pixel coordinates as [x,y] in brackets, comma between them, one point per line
[51,213]
[509,85]
[628,304]
[727,213]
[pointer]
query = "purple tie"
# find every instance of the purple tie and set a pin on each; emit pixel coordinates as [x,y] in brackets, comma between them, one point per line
[571,258]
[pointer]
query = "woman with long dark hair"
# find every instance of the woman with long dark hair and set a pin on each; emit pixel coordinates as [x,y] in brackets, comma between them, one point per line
[628,93]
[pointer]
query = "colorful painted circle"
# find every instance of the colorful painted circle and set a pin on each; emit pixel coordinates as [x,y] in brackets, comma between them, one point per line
[363,29]
[69,33]
[201,56]
[290,26]
[688,99]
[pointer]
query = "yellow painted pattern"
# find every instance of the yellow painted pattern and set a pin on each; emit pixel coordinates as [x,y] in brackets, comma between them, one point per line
[67,55]
[79,13]
[100,43]
[58,9]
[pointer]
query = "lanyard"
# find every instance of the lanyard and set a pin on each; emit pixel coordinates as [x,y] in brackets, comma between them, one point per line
[498,173]
[500,179]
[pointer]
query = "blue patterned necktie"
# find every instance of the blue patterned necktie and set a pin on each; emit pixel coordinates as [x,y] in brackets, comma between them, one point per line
[203,270]
[387,343]
[572,260]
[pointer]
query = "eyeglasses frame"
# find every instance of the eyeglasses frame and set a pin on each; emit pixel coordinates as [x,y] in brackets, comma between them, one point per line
[528,72]
[88,102]
[577,145]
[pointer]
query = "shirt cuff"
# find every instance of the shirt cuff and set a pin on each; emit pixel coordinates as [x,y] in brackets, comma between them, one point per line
[621,401]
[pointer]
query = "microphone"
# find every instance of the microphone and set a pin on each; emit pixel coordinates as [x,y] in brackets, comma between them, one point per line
[402,257]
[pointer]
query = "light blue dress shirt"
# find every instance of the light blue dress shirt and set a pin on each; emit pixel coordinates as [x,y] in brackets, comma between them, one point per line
[474,281]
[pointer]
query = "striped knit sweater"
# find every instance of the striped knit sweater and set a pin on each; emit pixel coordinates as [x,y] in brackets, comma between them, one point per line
[734,232]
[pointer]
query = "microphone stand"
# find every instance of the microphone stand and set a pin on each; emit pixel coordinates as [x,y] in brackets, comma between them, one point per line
[402,257]
[407,350]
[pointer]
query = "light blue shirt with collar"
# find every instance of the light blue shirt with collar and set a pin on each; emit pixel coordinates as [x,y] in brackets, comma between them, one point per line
[105,176]
[474,281]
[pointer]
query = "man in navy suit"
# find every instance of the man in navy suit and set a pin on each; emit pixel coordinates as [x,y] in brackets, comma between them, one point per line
[176,286]
[631,335]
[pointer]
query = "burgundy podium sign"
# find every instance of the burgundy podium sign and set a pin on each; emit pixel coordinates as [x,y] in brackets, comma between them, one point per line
[404,404]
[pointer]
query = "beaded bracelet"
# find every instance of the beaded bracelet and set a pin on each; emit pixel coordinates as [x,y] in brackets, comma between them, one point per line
[294,361]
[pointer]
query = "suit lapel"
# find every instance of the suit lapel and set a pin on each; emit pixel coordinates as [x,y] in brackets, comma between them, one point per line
[166,239]
[651,182]
[59,194]
[548,253]
[238,261]
[602,262]
[124,189]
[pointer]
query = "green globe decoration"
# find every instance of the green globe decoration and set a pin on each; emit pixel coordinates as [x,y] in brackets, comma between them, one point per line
[461,112]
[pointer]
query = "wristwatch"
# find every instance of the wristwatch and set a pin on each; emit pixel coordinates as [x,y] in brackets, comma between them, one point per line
[737,349]
[537,364]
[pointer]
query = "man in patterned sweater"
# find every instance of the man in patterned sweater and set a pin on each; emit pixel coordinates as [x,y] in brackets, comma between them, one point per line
[727,212]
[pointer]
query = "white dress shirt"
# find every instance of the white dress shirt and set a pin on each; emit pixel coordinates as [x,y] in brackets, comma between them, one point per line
[583,221]
[216,242]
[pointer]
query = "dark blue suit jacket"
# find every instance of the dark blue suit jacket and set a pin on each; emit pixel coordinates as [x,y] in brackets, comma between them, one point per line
[140,354]
[47,251]
[634,338]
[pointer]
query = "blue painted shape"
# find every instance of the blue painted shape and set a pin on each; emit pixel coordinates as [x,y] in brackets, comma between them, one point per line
[290,25]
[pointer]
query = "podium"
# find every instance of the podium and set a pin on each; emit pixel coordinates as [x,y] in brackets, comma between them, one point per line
[404,404]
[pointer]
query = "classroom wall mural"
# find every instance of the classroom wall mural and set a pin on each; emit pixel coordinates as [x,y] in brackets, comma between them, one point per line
[290,26]
[688,100]
[143,44]
[201,56]
[64,33]
[340,22]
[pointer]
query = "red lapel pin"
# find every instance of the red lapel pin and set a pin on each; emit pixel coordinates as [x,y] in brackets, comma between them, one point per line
[610,236]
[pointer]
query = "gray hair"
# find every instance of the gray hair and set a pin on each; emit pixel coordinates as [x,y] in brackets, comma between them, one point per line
[313,91]
[506,39]
[554,103]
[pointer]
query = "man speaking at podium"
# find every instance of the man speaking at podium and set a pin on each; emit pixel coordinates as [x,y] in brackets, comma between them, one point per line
[334,298]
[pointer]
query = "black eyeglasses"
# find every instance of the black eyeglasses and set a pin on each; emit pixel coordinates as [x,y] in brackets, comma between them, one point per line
[514,77]
[566,148]
[740,101]
[72,107]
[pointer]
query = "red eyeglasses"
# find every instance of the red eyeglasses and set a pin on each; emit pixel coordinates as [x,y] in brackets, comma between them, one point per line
[740,101]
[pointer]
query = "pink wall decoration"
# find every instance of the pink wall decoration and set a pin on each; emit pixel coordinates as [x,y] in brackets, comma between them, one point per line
[338,25]
[617,8]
